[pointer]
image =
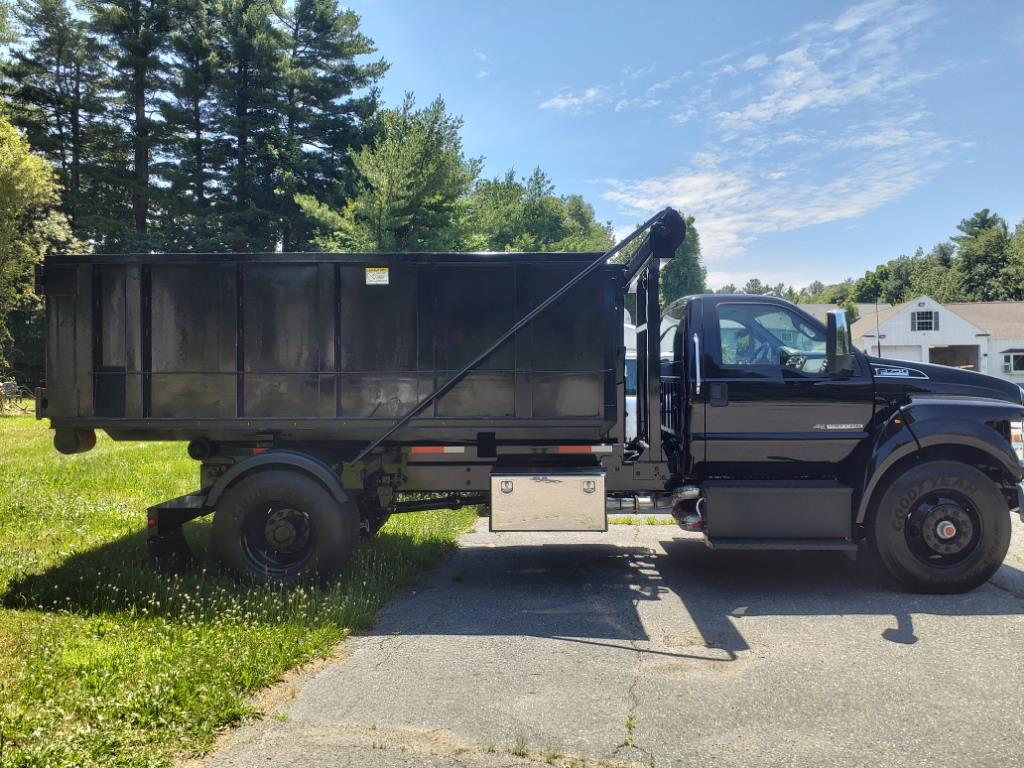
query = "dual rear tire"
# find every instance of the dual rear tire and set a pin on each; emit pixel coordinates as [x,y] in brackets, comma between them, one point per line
[940,527]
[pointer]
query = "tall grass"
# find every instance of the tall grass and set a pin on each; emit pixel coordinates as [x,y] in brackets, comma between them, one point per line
[105,663]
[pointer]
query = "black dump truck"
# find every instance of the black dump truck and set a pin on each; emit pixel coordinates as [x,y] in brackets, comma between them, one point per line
[321,393]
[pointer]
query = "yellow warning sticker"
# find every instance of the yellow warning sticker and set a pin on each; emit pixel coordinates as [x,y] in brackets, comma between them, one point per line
[376,275]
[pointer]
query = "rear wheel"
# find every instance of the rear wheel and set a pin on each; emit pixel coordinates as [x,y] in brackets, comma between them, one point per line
[941,527]
[284,527]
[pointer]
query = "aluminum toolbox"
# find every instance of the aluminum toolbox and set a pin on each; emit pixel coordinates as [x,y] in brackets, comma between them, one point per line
[551,501]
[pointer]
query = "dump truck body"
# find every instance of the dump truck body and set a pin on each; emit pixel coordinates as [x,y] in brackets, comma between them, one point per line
[328,346]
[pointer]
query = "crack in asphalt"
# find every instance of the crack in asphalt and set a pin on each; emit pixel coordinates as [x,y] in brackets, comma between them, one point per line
[632,689]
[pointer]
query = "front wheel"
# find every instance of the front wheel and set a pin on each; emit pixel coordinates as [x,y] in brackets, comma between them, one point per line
[283,527]
[942,527]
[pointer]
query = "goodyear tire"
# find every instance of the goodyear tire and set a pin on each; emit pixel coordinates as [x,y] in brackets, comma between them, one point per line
[283,527]
[942,527]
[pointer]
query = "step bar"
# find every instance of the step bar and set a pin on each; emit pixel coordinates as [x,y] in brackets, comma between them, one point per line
[827,545]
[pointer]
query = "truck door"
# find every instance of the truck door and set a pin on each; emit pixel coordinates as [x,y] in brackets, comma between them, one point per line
[771,411]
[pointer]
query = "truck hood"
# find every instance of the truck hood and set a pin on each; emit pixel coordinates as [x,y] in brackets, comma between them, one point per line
[902,377]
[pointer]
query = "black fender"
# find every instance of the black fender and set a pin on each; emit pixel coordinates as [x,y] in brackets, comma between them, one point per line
[303,462]
[931,422]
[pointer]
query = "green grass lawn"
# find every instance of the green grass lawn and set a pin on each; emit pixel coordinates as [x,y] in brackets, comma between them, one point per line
[104,663]
[641,520]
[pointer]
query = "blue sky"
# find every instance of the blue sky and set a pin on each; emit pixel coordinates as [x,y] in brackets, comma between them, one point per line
[811,140]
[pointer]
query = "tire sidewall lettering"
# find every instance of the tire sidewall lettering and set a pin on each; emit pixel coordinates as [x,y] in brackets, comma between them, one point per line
[905,502]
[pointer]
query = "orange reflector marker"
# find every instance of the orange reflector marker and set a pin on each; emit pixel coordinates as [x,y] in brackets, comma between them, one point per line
[437,449]
[584,449]
[258,450]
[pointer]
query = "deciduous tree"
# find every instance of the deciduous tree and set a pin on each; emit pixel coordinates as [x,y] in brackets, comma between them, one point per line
[685,274]
[509,214]
[6,32]
[982,256]
[53,80]
[30,221]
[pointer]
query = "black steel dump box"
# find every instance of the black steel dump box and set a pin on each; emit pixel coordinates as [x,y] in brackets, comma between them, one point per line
[329,346]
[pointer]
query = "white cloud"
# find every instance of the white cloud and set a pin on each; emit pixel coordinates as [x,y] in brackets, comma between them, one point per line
[633,73]
[683,117]
[786,141]
[756,61]
[861,55]
[629,92]
[734,203]
[639,103]
[858,15]
[668,82]
[575,102]
[482,74]
[481,56]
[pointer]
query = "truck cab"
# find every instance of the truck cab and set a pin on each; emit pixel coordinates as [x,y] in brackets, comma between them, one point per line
[797,440]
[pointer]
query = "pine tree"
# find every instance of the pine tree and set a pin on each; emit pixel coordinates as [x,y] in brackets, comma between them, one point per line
[136,31]
[326,108]
[415,177]
[186,137]
[53,81]
[247,118]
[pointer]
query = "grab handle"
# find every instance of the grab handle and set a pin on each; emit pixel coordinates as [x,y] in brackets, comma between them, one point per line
[696,359]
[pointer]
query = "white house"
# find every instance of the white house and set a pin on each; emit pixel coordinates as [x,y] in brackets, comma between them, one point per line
[978,336]
[820,311]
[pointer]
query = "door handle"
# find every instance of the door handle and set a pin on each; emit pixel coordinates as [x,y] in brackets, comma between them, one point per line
[719,393]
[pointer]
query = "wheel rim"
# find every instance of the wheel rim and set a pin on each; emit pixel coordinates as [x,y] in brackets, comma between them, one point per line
[277,539]
[943,529]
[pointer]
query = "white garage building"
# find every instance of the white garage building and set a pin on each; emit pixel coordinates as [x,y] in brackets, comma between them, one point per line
[978,336]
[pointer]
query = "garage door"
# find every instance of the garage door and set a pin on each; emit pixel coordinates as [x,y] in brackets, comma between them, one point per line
[909,352]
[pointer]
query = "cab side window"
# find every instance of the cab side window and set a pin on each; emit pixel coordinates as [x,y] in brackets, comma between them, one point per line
[766,335]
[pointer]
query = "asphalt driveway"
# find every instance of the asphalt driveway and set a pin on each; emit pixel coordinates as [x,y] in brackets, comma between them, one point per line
[640,646]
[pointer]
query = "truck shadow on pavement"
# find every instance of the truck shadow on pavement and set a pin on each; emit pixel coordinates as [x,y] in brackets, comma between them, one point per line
[596,594]
[589,593]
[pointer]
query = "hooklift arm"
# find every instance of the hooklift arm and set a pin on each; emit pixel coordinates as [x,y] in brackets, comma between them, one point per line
[667,231]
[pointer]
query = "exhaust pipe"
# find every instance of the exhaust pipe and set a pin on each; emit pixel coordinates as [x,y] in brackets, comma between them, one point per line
[656,503]
[689,514]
